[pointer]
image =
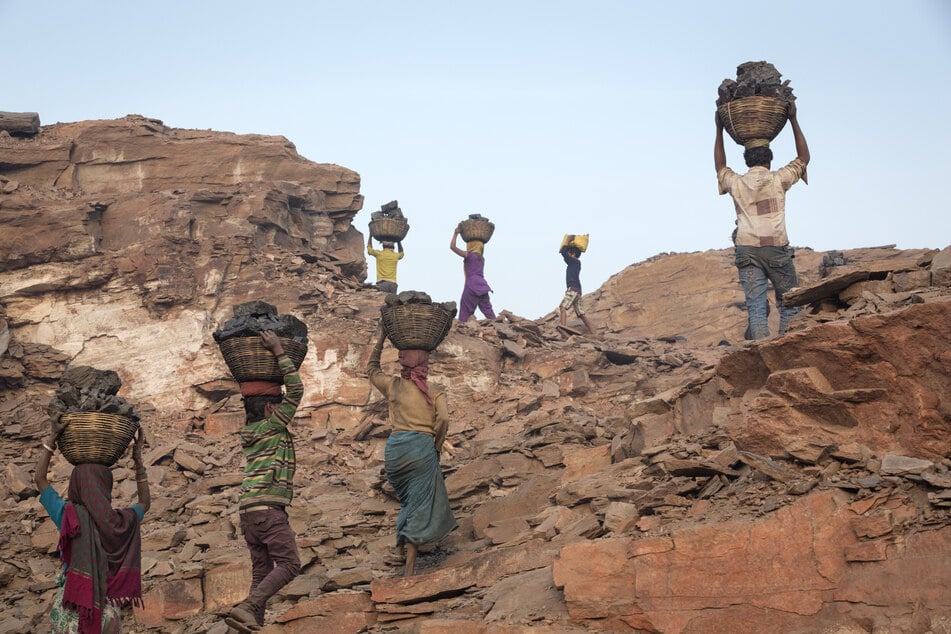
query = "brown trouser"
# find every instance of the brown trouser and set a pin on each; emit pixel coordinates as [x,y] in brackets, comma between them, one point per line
[274,558]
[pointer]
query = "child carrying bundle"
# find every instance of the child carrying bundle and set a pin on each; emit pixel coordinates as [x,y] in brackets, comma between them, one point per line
[572,246]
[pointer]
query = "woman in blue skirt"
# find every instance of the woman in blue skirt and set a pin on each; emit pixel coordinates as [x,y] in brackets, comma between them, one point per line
[419,417]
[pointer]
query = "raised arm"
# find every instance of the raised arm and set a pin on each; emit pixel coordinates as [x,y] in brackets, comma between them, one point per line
[293,386]
[452,245]
[442,421]
[369,241]
[802,149]
[48,448]
[399,246]
[719,154]
[141,475]
[373,362]
[374,372]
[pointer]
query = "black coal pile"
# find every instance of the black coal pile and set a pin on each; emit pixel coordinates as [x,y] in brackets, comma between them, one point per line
[252,318]
[416,297]
[85,389]
[389,210]
[478,217]
[755,78]
[831,260]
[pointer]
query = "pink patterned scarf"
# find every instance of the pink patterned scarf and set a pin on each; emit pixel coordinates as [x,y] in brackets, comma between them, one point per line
[415,368]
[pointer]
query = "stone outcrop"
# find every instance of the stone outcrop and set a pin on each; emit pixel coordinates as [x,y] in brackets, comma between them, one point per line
[114,232]
[878,380]
[782,572]
[661,476]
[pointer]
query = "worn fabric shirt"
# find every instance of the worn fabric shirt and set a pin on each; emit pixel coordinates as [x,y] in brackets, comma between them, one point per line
[386,260]
[759,197]
[572,272]
[408,408]
[268,448]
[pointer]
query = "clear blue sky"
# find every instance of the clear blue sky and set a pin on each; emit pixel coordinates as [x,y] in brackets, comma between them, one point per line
[548,117]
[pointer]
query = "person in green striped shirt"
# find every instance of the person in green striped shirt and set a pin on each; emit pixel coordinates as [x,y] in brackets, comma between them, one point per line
[268,487]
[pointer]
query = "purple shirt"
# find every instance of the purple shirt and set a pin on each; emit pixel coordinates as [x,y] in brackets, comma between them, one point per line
[474,265]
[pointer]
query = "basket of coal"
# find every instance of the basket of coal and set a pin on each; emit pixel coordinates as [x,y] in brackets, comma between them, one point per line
[476,227]
[239,340]
[99,424]
[412,321]
[753,108]
[389,224]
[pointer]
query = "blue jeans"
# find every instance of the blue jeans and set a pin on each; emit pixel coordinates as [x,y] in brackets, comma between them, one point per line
[758,266]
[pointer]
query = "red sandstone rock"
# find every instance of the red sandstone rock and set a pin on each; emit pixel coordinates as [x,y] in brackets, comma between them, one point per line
[649,421]
[762,576]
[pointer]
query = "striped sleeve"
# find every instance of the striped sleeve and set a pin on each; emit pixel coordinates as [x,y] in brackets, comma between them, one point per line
[293,392]
[268,448]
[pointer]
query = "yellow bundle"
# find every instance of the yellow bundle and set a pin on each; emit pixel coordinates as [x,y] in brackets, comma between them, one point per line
[579,241]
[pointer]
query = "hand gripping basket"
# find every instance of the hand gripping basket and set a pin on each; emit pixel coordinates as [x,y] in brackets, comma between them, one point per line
[473,229]
[95,437]
[389,229]
[753,121]
[249,360]
[416,326]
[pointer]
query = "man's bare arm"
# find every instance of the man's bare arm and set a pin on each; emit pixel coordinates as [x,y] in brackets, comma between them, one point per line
[719,154]
[802,149]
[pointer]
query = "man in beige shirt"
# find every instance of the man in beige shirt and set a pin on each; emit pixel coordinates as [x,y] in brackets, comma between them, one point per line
[762,251]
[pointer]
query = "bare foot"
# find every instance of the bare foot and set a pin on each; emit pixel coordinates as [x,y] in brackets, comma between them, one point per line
[410,560]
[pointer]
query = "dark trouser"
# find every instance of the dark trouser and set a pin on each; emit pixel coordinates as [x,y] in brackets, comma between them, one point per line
[274,558]
[387,286]
[757,267]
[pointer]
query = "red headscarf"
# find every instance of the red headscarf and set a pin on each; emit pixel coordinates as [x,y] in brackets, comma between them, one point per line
[101,547]
[260,388]
[415,368]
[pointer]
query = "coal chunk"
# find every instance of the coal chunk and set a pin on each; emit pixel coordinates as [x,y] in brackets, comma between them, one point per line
[831,260]
[416,297]
[89,378]
[389,210]
[252,318]
[257,308]
[755,78]
[86,389]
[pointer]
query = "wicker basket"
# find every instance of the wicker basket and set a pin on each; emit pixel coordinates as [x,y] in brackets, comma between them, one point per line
[249,360]
[95,437]
[754,120]
[416,326]
[389,229]
[480,230]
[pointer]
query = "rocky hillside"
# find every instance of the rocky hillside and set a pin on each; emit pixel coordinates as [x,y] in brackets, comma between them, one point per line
[662,476]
